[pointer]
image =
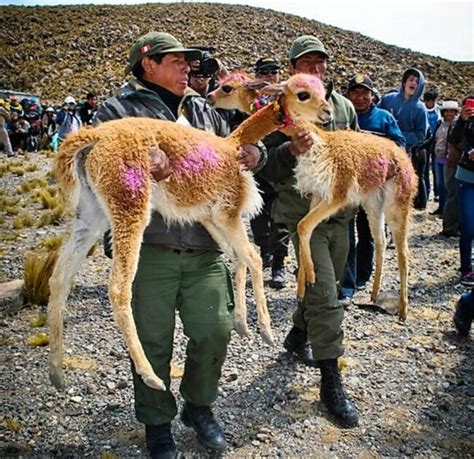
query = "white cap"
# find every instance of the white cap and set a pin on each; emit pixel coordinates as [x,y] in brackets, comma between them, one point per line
[450,105]
[69,100]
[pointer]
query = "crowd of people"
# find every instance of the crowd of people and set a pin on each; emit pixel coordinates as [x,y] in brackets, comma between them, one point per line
[170,82]
[28,126]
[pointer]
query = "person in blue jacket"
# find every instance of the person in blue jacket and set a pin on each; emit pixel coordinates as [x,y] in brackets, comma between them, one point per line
[379,122]
[412,117]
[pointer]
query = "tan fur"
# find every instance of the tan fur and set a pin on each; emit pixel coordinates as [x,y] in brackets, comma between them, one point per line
[347,168]
[105,171]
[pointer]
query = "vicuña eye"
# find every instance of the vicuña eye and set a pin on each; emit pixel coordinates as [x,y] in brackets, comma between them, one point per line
[227,89]
[303,96]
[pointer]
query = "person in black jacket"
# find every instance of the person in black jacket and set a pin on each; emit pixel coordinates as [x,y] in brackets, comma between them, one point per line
[88,109]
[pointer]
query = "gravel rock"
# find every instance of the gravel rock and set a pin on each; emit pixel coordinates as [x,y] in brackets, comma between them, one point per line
[412,381]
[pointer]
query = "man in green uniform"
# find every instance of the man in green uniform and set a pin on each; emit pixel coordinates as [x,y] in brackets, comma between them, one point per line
[318,317]
[180,267]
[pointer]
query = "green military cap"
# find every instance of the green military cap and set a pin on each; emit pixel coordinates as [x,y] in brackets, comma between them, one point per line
[154,43]
[304,45]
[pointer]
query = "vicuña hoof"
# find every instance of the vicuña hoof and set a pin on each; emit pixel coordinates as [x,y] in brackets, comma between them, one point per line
[154,382]
[241,328]
[56,378]
[267,336]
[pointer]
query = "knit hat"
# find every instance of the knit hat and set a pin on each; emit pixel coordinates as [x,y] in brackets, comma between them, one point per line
[154,43]
[304,45]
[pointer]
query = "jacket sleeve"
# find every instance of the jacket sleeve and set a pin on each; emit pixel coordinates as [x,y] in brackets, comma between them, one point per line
[393,131]
[61,116]
[457,134]
[280,162]
[420,127]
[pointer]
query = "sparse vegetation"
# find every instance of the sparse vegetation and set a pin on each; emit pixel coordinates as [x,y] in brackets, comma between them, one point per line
[38,268]
[23,220]
[52,243]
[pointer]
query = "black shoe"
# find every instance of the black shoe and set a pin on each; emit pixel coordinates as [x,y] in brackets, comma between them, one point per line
[160,442]
[278,277]
[463,317]
[267,260]
[208,431]
[296,342]
[361,286]
[334,397]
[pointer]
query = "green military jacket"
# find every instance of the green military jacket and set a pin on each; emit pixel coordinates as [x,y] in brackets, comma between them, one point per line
[290,207]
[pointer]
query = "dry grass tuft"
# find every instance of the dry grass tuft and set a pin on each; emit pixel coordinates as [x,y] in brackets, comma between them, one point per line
[23,220]
[31,167]
[52,243]
[38,268]
[17,170]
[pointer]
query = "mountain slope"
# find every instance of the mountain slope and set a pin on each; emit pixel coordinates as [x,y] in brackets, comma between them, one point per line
[56,51]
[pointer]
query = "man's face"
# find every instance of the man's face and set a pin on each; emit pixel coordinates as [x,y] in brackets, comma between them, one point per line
[429,104]
[361,98]
[268,75]
[92,101]
[171,73]
[199,83]
[410,85]
[310,63]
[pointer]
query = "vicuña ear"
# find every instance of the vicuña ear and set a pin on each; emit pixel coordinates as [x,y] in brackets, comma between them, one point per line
[256,85]
[273,89]
[329,88]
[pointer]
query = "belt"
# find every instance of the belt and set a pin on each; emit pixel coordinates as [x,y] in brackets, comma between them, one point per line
[165,248]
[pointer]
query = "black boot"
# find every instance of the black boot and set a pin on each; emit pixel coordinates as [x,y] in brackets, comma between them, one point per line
[278,274]
[334,397]
[463,316]
[208,431]
[296,342]
[160,442]
[267,259]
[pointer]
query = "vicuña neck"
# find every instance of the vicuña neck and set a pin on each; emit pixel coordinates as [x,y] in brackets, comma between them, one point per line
[256,126]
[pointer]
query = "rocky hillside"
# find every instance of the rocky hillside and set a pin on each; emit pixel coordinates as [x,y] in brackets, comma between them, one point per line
[56,51]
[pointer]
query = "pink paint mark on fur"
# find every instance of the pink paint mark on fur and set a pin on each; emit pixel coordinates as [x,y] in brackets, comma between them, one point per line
[406,180]
[237,77]
[303,81]
[198,159]
[133,179]
[375,173]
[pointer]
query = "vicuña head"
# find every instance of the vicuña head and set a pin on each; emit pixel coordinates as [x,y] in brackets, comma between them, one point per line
[301,97]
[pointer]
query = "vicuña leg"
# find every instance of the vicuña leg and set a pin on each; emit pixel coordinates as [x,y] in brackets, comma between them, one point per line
[306,225]
[236,237]
[87,228]
[127,231]
[240,314]
[375,216]
[398,221]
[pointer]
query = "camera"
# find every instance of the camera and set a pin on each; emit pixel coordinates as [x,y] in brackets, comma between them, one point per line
[207,66]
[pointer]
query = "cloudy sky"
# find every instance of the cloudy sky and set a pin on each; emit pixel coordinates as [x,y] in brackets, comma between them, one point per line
[442,29]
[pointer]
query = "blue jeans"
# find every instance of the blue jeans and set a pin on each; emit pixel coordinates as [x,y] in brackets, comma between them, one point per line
[441,188]
[360,258]
[466,209]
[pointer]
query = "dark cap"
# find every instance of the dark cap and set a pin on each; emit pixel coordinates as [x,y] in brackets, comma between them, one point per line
[266,63]
[360,80]
[304,45]
[154,43]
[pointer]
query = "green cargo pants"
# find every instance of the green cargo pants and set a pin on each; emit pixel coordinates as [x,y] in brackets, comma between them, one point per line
[319,312]
[197,285]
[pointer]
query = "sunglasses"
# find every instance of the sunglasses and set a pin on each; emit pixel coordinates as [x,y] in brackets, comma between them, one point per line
[200,75]
[268,72]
